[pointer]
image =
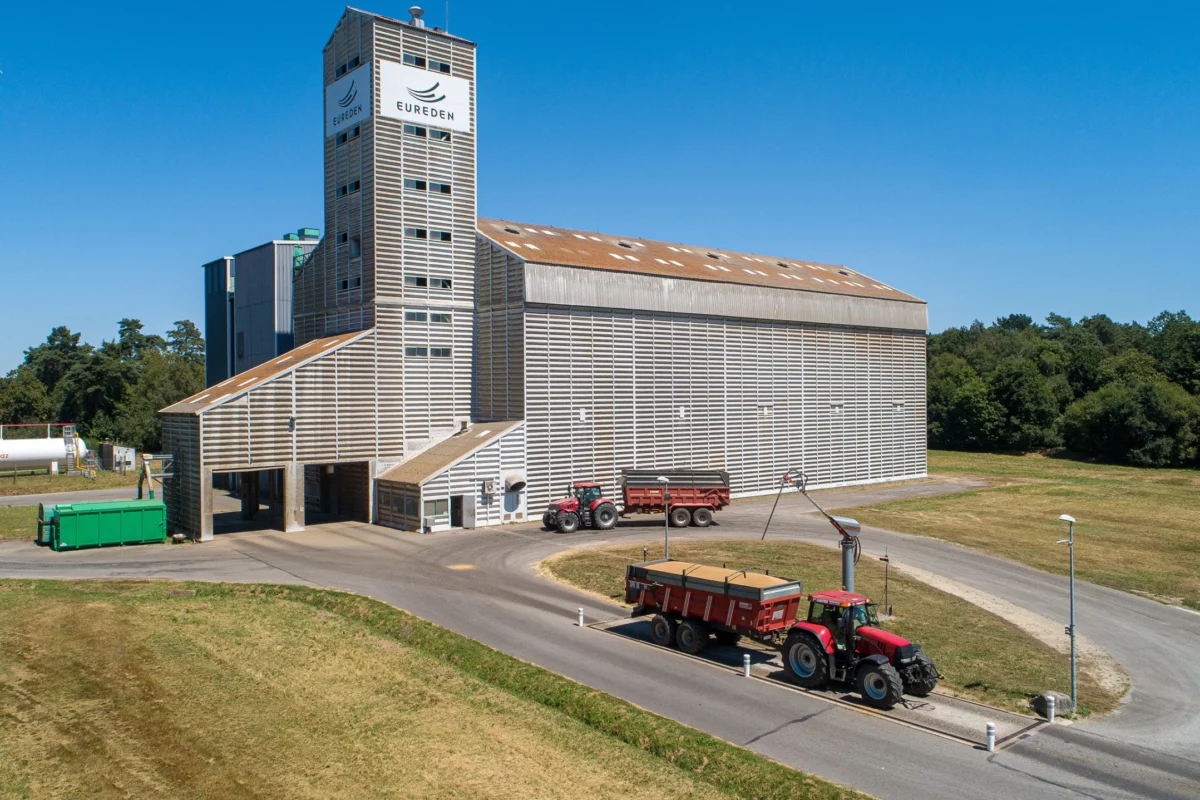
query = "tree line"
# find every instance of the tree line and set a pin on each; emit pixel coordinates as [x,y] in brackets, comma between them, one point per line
[1122,392]
[113,391]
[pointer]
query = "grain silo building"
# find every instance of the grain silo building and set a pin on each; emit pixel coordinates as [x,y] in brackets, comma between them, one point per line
[452,371]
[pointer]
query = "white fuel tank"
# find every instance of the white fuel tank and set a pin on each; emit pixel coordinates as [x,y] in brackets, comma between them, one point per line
[36,453]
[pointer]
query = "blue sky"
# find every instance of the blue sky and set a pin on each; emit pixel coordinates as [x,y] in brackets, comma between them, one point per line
[1023,158]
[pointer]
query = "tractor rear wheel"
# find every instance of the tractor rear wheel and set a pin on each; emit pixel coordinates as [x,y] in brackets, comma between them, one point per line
[680,517]
[568,522]
[691,636]
[702,517]
[550,520]
[605,517]
[880,685]
[805,660]
[662,630]
[923,677]
[727,638]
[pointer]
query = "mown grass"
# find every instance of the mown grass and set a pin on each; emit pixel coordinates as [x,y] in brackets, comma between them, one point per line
[46,484]
[982,656]
[18,522]
[121,689]
[1137,530]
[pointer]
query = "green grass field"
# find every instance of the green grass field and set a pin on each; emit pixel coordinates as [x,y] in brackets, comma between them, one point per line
[982,656]
[45,484]
[1137,530]
[18,522]
[121,689]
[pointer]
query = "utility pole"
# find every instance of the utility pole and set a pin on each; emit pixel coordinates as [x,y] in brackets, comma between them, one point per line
[1070,543]
[664,480]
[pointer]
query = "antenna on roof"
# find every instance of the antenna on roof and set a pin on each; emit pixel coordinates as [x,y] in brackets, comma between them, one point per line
[417,12]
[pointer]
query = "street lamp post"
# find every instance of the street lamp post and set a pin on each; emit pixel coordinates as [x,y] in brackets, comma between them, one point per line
[666,517]
[1070,543]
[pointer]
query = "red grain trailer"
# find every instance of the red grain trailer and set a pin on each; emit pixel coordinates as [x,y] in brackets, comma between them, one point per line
[694,494]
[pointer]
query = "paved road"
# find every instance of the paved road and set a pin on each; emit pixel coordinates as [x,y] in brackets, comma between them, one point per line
[502,602]
[85,496]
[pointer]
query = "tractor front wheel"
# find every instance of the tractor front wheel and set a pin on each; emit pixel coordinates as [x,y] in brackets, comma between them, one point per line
[880,685]
[922,677]
[806,661]
[605,516]
[549,520]
[692,637]
[568,522]
[702,517]
[680,517]
[662,630]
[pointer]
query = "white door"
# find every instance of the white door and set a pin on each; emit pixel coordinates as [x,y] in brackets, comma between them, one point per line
[468,511]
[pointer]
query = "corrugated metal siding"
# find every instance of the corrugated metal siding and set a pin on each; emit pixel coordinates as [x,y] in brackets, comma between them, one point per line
[218,313]
[554,285]
[254,307]
[499,369]
[181,438]
[846,405]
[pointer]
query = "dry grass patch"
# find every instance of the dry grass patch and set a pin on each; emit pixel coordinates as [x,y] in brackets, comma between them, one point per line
[1138,530]
[982,656]
[117,689]
[18,522]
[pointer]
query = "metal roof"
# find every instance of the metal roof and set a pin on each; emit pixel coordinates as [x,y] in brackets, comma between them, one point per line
[245,381]
[448,452]
[544,244]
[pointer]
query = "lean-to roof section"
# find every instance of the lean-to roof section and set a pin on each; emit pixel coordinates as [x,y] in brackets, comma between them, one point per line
[544,244]
[448,452]
[245,381]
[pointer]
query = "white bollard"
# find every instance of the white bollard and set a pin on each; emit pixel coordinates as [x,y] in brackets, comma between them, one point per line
[745,665]
[1050,710]
[581,617]
[991,737]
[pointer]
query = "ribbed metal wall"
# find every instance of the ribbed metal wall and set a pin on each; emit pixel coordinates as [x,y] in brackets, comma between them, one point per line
[607,390]
[499,385]
[182,493]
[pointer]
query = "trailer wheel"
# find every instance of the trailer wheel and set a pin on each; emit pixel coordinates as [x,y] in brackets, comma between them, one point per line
[702,517]
[691,636]
[568,522]
[880,685]
[923,677]
[680,517]
[605,516]
[549,520]
[727,638]
[662,630]
[805,660]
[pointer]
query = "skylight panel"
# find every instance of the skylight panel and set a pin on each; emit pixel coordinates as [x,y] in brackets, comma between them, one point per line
[676,263]
[714,269]
[748,271]
[549,233]
[248,380]
[579,236]
[722,268]
[660,260]
[513,244]
[595,238]
[532,246]
[617,256]
[631,258]
[673,249]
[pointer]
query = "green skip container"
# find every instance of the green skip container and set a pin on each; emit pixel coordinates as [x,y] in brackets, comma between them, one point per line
[78,525]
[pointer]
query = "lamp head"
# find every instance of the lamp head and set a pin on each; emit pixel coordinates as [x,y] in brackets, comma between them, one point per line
[1065,518]
[663,479]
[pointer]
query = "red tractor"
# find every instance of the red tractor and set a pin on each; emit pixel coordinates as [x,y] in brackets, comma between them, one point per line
[585,506]
[841,641]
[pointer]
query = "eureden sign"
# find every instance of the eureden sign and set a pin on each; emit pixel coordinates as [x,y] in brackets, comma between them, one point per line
[348,100]
[424,97]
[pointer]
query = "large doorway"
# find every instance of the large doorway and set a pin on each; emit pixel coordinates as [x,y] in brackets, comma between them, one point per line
[456,511]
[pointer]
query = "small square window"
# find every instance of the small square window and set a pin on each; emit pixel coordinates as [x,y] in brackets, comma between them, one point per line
[439,188]
[354,133]
[413,183]
[341,140]
[418,281]
[340,71]
[352,63]
[356,283]
[415,61]
[416,130]
[415,316]
[354,187]
[439,352]
[342,190]
[416,352]
[343,285]
[440,136]
[343,238]
[416,233]
[439,66]
[442,319]
[355,247]
[440,236]
[439,283]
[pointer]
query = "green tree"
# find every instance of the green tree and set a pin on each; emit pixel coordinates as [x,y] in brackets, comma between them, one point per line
[23,398]
[1030,410]
[54,358]
[185,342]
[962,415]
[1175,342]
[1146,422]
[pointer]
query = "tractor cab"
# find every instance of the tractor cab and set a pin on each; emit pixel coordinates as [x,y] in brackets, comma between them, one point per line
[585,506]
[842,613]
[587,493]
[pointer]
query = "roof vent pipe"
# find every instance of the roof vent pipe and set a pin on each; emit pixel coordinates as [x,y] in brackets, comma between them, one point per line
[417,12]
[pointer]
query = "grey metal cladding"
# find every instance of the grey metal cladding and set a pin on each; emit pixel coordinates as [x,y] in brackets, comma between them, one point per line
[568,286]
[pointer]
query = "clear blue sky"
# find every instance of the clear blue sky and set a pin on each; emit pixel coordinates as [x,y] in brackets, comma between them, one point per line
[1028,158]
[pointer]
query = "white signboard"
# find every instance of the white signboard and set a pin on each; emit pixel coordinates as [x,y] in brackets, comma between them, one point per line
[424,97]
[348,100]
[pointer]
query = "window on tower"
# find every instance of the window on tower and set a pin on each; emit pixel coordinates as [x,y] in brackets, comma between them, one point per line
[416,233]
[414,61]
[413,183]
[439,66]
[440,236]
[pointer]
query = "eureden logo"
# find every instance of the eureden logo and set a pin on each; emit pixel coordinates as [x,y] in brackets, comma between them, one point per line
[351,94]
[429,95]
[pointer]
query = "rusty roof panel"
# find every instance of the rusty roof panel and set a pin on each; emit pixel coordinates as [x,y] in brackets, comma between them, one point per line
[437,459]
[545,244]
